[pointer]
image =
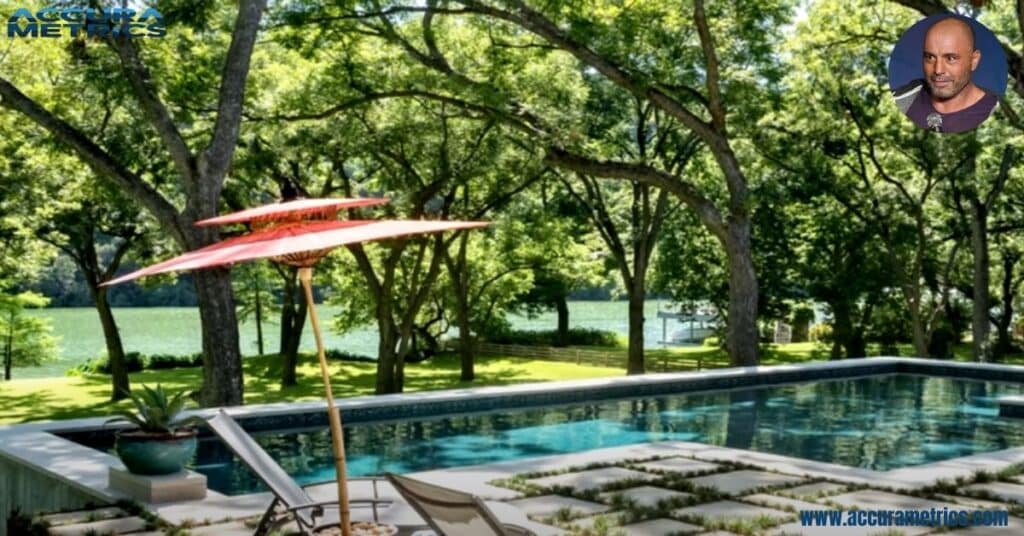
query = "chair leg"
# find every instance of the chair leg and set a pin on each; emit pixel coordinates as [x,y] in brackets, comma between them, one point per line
[264,524]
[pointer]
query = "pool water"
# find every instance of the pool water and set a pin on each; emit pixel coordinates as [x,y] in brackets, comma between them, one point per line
[876,423]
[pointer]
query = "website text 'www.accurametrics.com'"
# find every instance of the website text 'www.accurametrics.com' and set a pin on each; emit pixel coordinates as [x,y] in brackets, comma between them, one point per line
[934,517]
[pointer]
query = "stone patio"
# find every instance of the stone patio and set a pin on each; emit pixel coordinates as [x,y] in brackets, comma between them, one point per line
[737,482]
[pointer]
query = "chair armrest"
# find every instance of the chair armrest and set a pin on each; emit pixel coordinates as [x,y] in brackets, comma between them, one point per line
[371,479]
[334,504]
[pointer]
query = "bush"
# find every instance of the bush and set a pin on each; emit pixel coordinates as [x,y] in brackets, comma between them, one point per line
[167,361]
[713,342]
[133,362]
[821,333]
[576,337]
[341,355]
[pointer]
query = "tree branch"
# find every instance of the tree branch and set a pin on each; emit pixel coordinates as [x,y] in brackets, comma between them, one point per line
[705,209]
[217,156]
[142,85]
[707,44]
[94,156]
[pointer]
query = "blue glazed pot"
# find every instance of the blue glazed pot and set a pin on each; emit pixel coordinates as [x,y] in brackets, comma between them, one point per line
[149,454]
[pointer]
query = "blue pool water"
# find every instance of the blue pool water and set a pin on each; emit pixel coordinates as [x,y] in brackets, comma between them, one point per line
[877,423]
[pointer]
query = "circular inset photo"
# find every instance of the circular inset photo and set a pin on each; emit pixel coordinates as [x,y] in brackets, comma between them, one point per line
[947,73]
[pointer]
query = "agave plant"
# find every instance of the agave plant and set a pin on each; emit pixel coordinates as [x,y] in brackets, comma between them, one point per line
[156,412]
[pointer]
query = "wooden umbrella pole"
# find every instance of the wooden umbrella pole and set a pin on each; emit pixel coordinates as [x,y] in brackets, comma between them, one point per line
[333,415]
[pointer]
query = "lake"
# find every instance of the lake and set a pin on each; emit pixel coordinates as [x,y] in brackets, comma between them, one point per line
[175,330]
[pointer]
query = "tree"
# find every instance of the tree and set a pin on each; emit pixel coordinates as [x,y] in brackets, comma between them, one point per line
[254,292]
[96,227]
[608,43]
[200,174]
[26,340]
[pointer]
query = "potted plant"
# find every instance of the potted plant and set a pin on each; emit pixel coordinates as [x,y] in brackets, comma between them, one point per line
[163,441]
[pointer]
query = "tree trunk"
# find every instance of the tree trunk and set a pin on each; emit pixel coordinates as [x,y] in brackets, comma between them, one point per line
[980,345]
[222,360]
[562,308]
[635,362]
[386,347]
[293,320]
[259,321]
[917,324]
[743,294]
[465,337]
[9,348]
[115,350]
[842,328]
[1004,341]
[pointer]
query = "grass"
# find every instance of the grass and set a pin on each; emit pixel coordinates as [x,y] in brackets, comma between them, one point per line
[46,399]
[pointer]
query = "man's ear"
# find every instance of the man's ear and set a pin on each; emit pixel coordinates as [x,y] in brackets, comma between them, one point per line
[975,59]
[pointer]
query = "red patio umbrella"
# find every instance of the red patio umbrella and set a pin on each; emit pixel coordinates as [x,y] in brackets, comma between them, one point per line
[300,233]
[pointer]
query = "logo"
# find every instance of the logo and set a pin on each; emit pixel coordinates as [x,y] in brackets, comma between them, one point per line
[53,22]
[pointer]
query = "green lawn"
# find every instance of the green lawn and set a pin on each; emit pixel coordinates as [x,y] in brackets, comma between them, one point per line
[73,397]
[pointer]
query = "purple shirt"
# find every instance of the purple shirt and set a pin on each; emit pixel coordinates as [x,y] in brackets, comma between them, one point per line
[961,121]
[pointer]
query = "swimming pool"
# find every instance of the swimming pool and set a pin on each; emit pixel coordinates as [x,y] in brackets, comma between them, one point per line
[879,422]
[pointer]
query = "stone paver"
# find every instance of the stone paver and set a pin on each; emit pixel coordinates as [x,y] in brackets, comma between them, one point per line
[106,526]
[869,499]
[971,502]
[729,510]
[782,503]
[84,516]
[545,506]
[611,519]
[1003,490]
[645,496]
[592,479]
[797,528]
[1015,526]
[235,528]
[813,489]
[659,527]
[736,482]
[684,466]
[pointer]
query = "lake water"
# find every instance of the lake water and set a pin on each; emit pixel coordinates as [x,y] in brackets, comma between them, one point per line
[176,330]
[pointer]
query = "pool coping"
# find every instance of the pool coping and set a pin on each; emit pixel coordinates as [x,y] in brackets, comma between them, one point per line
[37,444]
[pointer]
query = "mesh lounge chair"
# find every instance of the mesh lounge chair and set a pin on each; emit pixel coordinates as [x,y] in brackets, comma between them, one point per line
[454,513]
[298,505]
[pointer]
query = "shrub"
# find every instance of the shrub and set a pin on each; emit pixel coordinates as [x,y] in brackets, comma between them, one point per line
[133,362]
[713,342]
[341,355]
[576,337]
[821,333]
[167,361]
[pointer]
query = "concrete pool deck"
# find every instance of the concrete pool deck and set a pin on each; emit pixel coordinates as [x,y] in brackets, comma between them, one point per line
[69,474]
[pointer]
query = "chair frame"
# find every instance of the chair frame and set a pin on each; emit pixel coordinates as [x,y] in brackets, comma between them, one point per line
[416,501]
[230,432]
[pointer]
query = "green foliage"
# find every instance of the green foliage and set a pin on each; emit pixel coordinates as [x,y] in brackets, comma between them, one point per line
[135,362]
[713,342]
[24,340]
[576,337]
[333,354]
[156,412]
[821,333]
[167,361]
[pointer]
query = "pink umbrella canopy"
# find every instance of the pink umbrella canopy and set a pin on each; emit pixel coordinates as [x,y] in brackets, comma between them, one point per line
[293,238]
[299,233]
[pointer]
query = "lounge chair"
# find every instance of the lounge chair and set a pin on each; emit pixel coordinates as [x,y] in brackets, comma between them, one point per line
[455,513]
[308,513]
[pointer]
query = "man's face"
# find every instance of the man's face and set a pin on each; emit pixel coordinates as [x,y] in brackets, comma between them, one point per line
[949,58]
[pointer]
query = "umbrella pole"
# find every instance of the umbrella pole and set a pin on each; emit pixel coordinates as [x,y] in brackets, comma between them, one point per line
[333,415]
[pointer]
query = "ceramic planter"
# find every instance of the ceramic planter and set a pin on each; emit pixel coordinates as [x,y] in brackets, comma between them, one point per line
[145,453]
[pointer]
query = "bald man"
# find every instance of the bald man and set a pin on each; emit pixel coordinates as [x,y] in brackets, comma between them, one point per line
[947,100]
